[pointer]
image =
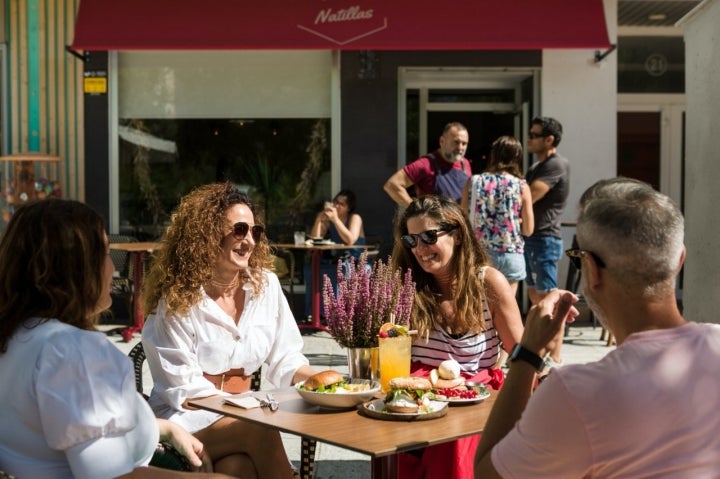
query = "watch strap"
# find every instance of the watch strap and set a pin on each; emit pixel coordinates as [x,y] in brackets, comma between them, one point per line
[523,354]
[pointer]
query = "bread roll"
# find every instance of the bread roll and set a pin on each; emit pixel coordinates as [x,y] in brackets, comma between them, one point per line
[323,378]
[449,369]
[412,383]
[449,383]
[402,403]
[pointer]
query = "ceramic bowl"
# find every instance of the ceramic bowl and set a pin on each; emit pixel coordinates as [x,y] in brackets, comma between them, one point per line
[343,399]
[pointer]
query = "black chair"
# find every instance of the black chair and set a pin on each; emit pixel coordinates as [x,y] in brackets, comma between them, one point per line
[308,446]
[286,274]
[375,244]
[122,284]
[573,284]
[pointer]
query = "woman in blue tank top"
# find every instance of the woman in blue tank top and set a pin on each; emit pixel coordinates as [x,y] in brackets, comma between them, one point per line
[339,223]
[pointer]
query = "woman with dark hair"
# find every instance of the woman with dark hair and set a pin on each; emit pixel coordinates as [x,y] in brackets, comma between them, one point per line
[339,222]
[70,408]
[464,310]
[499,205]
[216,313]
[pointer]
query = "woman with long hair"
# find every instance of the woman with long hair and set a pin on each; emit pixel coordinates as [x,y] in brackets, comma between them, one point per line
[464,310]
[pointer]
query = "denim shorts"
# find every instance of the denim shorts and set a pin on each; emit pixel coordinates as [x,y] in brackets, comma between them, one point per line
[542,254]
[511,265]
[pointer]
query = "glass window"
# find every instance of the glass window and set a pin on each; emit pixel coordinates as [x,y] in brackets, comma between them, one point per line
[162,160]
[651,65]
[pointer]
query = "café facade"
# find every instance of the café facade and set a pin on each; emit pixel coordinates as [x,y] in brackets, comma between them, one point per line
[120,88]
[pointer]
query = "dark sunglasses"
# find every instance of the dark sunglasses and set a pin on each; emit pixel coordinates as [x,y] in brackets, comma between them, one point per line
[428,237]
[532,135]
[240,231]
[576,254]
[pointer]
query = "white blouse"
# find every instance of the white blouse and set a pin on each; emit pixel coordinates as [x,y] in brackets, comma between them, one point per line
[180,348]
[70,408]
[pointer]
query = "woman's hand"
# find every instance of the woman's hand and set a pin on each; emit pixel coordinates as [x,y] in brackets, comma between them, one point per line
[330,212]
[186,444]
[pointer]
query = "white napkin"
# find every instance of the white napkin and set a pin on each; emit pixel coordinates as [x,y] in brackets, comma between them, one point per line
[246,402]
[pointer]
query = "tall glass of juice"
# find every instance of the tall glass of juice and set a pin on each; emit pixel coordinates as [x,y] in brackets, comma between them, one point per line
[394,359]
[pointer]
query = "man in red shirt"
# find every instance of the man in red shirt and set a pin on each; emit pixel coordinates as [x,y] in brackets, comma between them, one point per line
[442,172]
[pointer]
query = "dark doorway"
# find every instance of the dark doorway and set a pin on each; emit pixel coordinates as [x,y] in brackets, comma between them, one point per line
[638,153]
[483,127]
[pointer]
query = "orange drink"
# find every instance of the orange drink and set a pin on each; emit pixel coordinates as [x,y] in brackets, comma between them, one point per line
[394,359]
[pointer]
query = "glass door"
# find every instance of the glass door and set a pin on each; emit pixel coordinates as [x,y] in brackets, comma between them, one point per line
[489,103]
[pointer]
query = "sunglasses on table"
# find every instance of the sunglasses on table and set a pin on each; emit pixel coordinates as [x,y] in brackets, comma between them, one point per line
[240,231]
[576,255]
[428,237]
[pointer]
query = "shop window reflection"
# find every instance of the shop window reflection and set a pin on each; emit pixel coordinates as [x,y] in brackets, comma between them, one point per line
[162,160]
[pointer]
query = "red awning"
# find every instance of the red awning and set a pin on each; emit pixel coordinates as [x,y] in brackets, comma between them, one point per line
[340,25]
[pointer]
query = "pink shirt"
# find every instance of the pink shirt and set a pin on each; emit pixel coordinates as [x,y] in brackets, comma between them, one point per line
[648,409]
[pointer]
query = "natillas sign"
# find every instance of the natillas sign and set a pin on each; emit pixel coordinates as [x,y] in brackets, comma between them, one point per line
[344,24]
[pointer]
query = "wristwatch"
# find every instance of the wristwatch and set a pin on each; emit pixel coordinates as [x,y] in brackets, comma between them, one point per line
[519,352]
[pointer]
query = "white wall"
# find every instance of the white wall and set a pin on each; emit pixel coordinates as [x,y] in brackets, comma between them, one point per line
[582,95]
[224,84]
[702,163]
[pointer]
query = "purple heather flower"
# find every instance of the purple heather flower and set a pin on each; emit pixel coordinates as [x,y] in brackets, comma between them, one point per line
[365,299]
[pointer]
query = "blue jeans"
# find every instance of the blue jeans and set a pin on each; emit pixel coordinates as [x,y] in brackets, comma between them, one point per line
[542,254]
[511,265]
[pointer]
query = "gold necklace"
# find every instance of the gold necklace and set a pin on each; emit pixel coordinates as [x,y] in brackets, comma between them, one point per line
[225,286]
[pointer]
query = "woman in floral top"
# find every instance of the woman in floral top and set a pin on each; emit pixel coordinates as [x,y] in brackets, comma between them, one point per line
[499,206]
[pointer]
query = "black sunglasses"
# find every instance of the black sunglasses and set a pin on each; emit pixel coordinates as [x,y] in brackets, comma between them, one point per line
[240,231]
[428,237]
[532,135]
[576,254]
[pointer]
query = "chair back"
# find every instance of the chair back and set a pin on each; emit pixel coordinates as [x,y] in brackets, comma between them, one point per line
[138,357]
[122,281]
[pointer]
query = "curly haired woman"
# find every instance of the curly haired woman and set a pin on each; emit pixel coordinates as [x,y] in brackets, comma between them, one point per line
[464,310]
[217,314]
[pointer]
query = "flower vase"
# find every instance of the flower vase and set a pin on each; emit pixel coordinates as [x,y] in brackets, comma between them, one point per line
[364,363]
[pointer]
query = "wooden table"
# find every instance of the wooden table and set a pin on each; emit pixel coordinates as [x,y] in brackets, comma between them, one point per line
[137,251]
[381,440]
[315,251]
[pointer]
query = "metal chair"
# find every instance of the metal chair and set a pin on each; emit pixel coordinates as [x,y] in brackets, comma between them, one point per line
[308,446]
[122,284]
[573,284]
[286,274]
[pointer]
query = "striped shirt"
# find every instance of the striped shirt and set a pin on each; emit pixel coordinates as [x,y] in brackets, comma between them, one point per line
[474,351]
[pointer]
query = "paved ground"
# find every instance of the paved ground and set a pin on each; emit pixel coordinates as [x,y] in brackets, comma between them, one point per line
[582,344]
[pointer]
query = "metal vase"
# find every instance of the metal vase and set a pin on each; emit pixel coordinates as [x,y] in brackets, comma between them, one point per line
[364,363]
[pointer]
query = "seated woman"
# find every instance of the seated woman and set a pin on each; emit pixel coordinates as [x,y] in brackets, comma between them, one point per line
[338,222]
[69,398]
[216,313]
[464,310]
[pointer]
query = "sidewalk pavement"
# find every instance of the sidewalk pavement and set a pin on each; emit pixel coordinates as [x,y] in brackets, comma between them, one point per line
[582,344]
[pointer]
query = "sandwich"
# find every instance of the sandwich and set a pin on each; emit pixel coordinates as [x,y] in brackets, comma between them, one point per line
[324,382]
[408,395]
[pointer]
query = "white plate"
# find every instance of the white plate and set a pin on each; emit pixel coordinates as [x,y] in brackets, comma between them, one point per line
[319,242]
[462,402]
[376,409]
[345,400]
